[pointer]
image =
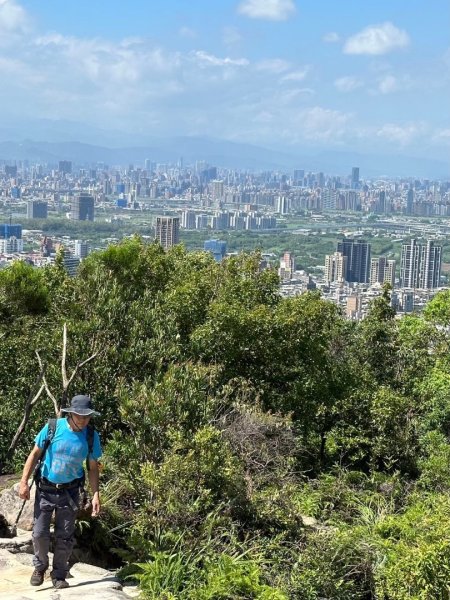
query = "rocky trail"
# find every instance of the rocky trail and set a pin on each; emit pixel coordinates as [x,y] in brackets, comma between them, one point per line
[16,554]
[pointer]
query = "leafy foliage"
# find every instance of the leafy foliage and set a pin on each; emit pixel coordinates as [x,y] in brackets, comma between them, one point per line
[255,447]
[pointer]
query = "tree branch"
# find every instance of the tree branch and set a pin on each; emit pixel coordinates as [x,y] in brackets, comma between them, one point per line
[49,394]
[63,359]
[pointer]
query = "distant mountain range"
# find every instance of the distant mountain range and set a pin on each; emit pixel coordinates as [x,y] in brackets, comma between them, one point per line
[220,153]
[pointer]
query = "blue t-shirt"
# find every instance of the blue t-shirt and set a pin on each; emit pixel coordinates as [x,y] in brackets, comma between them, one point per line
[65,457]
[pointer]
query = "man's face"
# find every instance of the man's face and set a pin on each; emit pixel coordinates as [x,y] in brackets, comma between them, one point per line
[80,421]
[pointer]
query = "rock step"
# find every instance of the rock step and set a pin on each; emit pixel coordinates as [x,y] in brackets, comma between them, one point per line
[86,581]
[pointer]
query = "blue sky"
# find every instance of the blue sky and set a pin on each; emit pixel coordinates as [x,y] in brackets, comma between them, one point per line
[363,75]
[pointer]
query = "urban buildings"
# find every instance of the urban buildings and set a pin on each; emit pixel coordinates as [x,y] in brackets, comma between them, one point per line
[420,265]
[37,209]
[167,231]
[82,207]
[382,271]
[218,248]
[287,266]
[357,253]
[335,267]
[65,167]
[11,245]
[81,249]
[355,178]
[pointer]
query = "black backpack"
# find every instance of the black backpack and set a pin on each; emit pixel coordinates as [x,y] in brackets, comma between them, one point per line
[52,423]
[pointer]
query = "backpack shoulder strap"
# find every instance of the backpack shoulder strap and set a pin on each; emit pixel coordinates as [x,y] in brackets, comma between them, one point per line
[90,440]
[52,424]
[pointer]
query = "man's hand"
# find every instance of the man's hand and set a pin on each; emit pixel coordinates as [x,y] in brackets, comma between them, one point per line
[24,490]
[96,505]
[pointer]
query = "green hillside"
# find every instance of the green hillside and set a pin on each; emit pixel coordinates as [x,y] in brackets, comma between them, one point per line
[255,447]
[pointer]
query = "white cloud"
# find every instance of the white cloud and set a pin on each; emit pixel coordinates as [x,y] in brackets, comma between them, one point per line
[323,124]
[442,136]
[210,60]
[401,134]
[298,75]
[388,84]
[13,17]
[376,40]
[331,38]
[271,10]
[348,84]
[231,36]
[273,65]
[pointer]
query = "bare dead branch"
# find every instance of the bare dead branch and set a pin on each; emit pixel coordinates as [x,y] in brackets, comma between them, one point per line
[33,397]
[47,389]
[79,365]
[63,359]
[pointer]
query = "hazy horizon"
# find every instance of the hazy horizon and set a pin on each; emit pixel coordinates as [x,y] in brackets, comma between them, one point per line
[291,76]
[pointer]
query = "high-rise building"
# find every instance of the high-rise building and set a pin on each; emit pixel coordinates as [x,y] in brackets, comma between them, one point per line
[298,176]
[282,205]
[389,272]
[218,248]
[37,209]
[188,219]
[81,249]
[167,231]
[430,266]
[10,245]
[358,259]
[420,265]
[382,270]
[287,266]
[409,202]
[381,206]
[70,262]
[355,178]
[410,265]
[335,267]
[8,230]
[82,207]
[217,189]
[65,167]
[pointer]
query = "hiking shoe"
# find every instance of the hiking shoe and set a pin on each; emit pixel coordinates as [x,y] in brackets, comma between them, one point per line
[37,578]
[59,584]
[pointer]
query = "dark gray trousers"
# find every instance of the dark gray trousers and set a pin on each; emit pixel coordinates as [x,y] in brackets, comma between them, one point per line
[46,502]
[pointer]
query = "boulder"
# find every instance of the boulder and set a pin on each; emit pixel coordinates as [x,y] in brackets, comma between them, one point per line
[22,542]
[10,505]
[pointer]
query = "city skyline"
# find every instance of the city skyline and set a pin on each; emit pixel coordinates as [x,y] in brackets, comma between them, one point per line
[282,74]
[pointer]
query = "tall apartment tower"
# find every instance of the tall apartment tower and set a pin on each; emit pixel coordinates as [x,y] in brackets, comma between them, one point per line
[217,189]
[382,270]
[420,265]
[389,272]
[357,253]
[430,266]
[65,167]
[355,178]
[410,265]
[81,249]
[167,231]
[82,207]
[409,202]
[335,267]
[37,209]
[287,266]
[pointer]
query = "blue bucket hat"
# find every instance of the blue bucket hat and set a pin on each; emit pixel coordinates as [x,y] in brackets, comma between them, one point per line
[81,405]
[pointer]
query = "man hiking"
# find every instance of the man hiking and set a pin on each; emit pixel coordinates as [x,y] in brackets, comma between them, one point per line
[66,443]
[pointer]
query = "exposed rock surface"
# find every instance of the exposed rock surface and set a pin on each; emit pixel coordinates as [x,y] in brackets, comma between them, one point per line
[86,581]
[10,505]
[16,567]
